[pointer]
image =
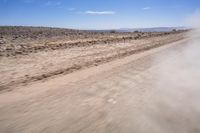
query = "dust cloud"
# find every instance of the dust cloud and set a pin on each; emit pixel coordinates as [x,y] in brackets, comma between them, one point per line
[178,78]
[177,83]
[183,67]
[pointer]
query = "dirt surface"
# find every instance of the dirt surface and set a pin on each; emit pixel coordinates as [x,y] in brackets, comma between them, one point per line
[24,40]
[26,57]
[139,93]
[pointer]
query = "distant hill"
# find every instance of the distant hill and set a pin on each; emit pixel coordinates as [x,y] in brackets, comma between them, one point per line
[154,29]
[28,31]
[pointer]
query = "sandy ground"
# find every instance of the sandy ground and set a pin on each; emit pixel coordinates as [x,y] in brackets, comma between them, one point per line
[22,69]
[139,93]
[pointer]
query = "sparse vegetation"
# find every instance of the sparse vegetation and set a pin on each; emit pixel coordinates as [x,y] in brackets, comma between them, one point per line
[112,31]
[23,40]
[174,30]
[136,31]
[72,50]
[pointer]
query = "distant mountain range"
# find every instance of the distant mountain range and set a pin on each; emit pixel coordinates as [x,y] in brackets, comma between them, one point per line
[154,29]
[59,30]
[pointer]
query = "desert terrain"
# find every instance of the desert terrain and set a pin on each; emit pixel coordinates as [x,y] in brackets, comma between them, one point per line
[99,66]
[29,54]
[148,84]
[59,80]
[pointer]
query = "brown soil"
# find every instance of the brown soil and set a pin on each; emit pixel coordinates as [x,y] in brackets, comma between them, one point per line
[24,60]
[155,91]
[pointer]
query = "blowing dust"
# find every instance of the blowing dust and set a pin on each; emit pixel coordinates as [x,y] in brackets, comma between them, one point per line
[177,85]
[182,69]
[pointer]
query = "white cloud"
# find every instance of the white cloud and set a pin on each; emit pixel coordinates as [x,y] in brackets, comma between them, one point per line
[71,9]
[100,12]
[146,8]
[51,3]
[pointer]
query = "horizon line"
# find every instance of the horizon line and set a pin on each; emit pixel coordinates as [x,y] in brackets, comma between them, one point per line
[40,26]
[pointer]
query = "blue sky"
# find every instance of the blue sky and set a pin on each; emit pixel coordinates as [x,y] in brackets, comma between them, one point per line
[97,14]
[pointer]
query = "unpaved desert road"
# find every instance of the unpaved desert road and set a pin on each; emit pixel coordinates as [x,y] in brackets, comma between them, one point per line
[157,91]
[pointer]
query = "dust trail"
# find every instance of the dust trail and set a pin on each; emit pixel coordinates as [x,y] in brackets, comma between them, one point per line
[177,84]
[184,69]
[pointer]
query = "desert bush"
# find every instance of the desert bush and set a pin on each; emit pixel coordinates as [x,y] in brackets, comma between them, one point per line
[112,31]
[136,31]
[174,30]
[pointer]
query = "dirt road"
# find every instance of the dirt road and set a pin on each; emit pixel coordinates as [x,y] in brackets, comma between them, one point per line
[39,65]
[156,91]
